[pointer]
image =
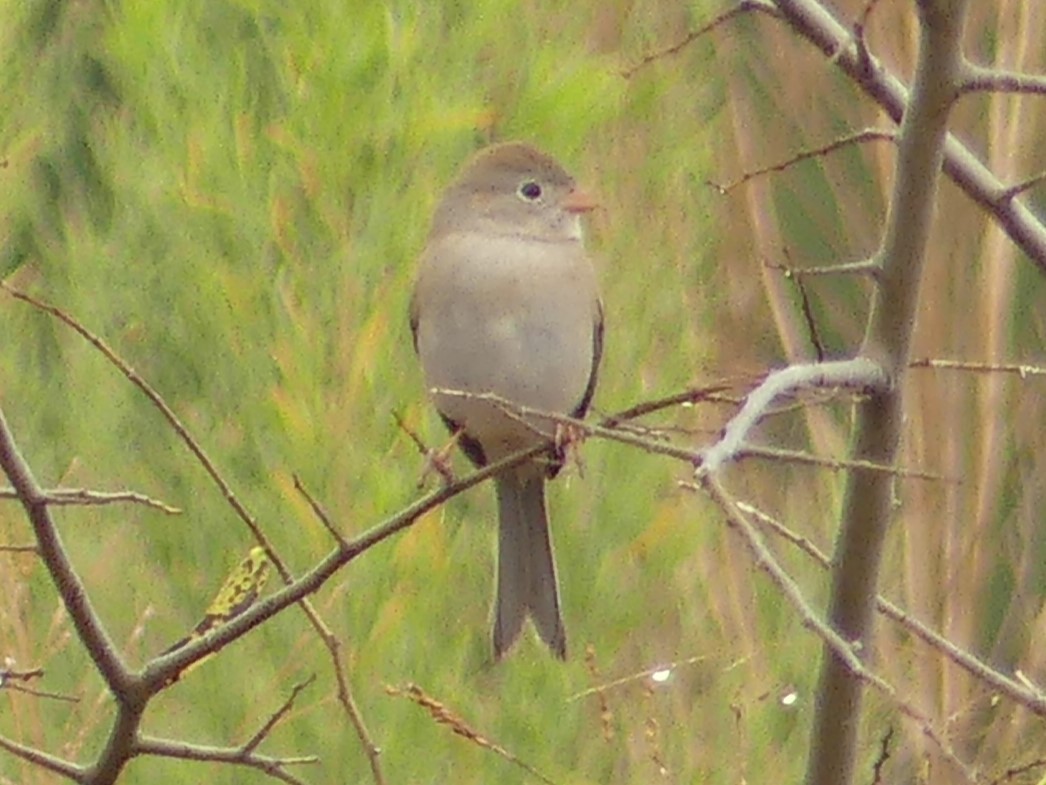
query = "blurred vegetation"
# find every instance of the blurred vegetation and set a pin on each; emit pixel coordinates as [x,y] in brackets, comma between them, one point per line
[233,192]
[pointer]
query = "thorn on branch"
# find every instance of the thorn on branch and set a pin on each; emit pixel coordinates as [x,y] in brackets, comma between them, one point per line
[865,63]
[1007,195]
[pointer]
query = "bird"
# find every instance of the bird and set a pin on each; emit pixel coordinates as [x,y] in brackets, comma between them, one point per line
[506,303]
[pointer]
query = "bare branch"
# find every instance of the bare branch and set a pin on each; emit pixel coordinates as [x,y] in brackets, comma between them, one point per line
[161,668]
[867,506]
[86,498]
[48,694]
[88,624]
[524,414]
[859,373]
[713,392]
[977,78]
[870,267]
[168,414]
[252,743]
[1015,771]
[1024,371]
[811,322]
[177,661]
[884,755]
[845,651]
[742,7]
[348,704]
[43,760]
[814,22]
[9,674]
[1028,697]
[19,549]
[868,135]
[273,767]
[837,464]
[318,511]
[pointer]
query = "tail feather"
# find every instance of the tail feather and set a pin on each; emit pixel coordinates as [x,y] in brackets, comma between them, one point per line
[526,570]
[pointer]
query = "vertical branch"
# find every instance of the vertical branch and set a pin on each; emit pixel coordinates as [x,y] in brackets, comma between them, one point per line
[67,582]
[867,504]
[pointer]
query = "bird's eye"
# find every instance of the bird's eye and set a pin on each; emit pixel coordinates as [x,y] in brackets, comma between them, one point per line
[529,191]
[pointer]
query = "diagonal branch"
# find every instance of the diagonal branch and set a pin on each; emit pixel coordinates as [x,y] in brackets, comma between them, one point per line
[89,627]
[1031,699]
[812,21]
[859,373]
[849,652]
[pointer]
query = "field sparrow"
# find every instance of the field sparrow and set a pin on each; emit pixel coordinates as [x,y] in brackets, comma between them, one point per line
[505,302]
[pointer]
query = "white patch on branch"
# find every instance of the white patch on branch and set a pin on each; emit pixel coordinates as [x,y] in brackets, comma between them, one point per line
[859,373]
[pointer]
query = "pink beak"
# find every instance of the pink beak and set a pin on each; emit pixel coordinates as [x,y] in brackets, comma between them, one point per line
[579,201]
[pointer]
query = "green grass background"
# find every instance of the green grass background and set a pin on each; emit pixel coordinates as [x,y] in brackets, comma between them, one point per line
[233,193]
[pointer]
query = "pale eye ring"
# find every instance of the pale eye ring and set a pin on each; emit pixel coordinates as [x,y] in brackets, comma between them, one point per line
[529,191]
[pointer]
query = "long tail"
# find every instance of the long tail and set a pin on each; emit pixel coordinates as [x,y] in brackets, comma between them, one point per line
[526,569]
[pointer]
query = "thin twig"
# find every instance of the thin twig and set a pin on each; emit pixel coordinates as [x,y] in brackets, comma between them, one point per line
[634,677]
[838,464]
[43,759]
[712,392]
[273,767]
[19,549]
[743,7]
[86,498]
[318,511]
[1031,699]
[1023,371]
[868,135]
[252,743]
[210,468]
[811,322]
[845,651]
[870,267]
